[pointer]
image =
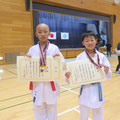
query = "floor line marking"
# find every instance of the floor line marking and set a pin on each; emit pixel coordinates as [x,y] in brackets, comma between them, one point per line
[16,105]
[70,90]
[67,111]
[79,112]
[75,109]
[8,78]
[10,72]
[23,102]
[29,94]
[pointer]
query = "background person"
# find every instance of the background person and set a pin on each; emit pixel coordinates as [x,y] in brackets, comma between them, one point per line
[108,48]
[118,66]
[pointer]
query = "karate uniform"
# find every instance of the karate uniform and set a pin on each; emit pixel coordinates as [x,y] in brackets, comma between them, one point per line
[44,98]
[90,94]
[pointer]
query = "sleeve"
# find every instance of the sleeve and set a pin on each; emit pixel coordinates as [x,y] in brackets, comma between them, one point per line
[58,52]
[78,57]
[106,63]
[117,52]
[30,52]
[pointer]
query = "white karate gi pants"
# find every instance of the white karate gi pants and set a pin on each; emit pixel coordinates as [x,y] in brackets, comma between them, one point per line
[45,112]
[98,113]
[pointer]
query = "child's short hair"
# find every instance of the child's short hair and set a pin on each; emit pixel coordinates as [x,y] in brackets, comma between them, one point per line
[87,34]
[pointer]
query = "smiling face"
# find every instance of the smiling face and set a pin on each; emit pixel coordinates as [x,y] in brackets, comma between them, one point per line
[42,33]
[89,42]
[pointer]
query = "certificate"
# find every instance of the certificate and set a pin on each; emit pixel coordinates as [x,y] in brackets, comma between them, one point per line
[29,69]
[84,72]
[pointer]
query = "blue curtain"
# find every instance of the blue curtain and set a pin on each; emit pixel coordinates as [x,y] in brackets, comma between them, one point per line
[58,23]
[108,31]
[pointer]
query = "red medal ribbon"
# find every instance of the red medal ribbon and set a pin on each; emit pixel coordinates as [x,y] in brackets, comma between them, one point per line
[98,59]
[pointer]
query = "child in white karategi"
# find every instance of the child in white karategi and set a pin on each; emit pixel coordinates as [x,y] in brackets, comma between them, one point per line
[91,95]
[44,94]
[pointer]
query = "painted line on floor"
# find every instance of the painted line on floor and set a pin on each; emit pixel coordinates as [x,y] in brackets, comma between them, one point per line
[60,92]
[66,89]
[77,110]
[24,102]
[15,105]
[29,94]
[67,111]
[8,78]
[70,89]
[10,72]
[14,97]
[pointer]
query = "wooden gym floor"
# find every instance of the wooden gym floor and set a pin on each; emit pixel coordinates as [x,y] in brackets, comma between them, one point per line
[16,102]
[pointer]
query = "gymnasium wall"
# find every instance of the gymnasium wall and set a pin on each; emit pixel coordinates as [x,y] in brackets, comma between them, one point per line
[16,24]
[15,29]
[101,7]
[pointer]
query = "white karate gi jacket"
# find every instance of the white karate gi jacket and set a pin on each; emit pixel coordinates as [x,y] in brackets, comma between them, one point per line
[42,91]
[90,96]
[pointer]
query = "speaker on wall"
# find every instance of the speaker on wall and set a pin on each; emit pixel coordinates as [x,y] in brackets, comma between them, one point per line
[27,5]
[114,18]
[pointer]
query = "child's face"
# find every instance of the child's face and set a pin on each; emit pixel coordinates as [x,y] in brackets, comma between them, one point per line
[89,43]
[42,32]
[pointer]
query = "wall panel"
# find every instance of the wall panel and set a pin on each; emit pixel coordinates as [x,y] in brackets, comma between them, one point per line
[101,7]
[15,27]
[16,23]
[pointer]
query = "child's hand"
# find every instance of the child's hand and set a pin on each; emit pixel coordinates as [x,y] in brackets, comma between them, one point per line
[29,56]
[106,69]
[56,55]
[99,67]
[68,74]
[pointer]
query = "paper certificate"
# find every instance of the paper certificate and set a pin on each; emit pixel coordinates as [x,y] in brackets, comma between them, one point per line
[29,69]
[84,72]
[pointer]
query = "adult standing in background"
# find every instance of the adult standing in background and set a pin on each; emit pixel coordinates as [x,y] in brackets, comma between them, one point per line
[118,66]
[108,45]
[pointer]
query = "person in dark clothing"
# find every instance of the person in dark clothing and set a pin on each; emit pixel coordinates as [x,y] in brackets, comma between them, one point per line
[108,45]
[118,66]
